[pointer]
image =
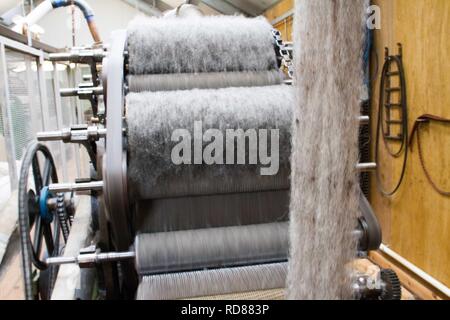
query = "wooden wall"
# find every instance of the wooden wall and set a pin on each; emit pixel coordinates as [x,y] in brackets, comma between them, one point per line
[283,8]
[416,221]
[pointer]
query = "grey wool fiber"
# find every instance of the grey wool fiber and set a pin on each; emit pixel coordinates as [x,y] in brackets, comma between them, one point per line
[153,116]
[207,283]
[324,194]
[211,247]
[206,80]
[200,44]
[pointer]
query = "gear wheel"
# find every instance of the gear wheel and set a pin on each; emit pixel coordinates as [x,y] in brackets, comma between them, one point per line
[393,287]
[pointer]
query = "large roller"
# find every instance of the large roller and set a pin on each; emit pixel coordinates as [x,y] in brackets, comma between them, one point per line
[203,284]
[222,73]
[211,248]
[212,211]
[200,44]
[153,117]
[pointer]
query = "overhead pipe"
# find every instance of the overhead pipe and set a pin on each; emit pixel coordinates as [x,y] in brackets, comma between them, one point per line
[185,9]
[48,5]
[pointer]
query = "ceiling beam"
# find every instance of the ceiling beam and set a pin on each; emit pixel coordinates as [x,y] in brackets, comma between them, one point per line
[144,7]
[224,7]
[245,6]
[168,4]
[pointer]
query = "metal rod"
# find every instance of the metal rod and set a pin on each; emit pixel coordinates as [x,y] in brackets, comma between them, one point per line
[52,135]
[92,258]
[60,260]
[72,135]
[365,167]
[60,56]
[364,120]
[79,55]
[76,187]
[73,92]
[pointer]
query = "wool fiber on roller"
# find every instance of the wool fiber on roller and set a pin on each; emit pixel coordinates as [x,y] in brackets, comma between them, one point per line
[200,44]
[154,116]
[207,80]
[324,200]
[211,247]
[210,283]
[213,211]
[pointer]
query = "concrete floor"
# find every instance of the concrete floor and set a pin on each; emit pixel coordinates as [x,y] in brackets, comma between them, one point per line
[5,189]
[11,284]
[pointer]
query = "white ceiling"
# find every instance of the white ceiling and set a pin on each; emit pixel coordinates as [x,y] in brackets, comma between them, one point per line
[253,7]
[5,5]
[247,7]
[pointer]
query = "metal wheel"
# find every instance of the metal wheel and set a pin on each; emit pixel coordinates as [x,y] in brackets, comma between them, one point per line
[39,230]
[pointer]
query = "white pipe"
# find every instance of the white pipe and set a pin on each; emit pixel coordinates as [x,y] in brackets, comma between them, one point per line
[416,270]
[184,10]
[39,12]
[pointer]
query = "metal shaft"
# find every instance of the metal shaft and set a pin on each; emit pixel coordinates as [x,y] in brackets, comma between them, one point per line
[79,55]
[73,134]
[366,167]
[76,187]
[93,258]
[364,120]
[82,91]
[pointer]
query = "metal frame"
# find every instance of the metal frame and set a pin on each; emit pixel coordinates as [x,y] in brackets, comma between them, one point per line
[28,42]
[59,119]
[114,169]
[39,51]
[7,122]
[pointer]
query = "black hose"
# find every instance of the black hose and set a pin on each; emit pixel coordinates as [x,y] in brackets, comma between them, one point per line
[404,122]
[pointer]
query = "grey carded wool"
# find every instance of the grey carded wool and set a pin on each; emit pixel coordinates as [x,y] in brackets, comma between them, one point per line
[200,44]
[153,117]
[324,188]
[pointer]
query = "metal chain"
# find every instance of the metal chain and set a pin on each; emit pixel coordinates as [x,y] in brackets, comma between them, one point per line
[62,215]
[284,53]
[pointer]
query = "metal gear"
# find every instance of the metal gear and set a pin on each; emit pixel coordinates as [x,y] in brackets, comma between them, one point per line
[393,287]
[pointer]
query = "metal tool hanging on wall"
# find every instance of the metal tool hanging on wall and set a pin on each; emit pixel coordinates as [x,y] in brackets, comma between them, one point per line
[392,125]
[419,123]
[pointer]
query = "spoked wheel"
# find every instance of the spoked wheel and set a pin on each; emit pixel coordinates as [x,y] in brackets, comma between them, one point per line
[40,231]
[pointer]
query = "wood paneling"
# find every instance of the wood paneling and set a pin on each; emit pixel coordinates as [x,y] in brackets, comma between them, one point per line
[416,221]
[285,25]
[279,9]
